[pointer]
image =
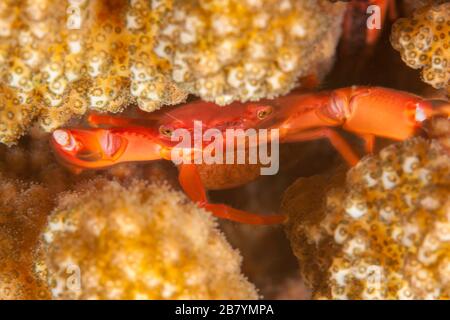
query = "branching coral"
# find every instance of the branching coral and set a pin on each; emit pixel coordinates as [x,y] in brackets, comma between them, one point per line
[424,42]
[23,210]
[60,58]
[138,242]
[246,50]
[385,234]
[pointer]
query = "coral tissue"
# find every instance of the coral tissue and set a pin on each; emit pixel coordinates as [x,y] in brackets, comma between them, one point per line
[384,234]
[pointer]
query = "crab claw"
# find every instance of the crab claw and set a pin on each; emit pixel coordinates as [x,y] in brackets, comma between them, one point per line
[87,148]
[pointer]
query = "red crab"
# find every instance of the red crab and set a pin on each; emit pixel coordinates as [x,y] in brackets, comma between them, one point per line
[364,111]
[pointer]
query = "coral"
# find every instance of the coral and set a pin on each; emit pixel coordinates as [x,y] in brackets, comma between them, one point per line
[23,211]
[60,58]
[409,6]
[439,129]
[380,232]
[231,50]
[137,242]
[423,42]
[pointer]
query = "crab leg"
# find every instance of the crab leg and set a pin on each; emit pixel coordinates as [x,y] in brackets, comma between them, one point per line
[369,142]
[192,185]
[335,139]
[365,111]
[96,119]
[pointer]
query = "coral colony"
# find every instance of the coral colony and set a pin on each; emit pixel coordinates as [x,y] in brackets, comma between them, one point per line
[384,232]
[224,149]
[423,41]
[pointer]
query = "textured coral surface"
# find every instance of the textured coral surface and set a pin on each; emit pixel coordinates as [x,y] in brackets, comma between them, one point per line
[410,5]
[384,233]
[61,58]
[23,210]
[227,50]
[424,43]
[138,242]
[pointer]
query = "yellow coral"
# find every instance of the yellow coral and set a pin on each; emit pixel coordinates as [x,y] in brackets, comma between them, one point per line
[23,210]
[138,242]
[440,130]
[227,50]
[424,42]
[385,234]
[60,58]
[409,6]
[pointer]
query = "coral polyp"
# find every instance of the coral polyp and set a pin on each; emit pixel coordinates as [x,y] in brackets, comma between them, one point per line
[60,59]
[423,42]
[384,234]
[231,50]
[138,242]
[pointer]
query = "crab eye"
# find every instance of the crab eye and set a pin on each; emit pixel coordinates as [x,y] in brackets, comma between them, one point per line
[166,131]
[263,113]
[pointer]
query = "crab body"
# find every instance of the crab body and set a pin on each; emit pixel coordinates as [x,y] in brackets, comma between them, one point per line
[365,111]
